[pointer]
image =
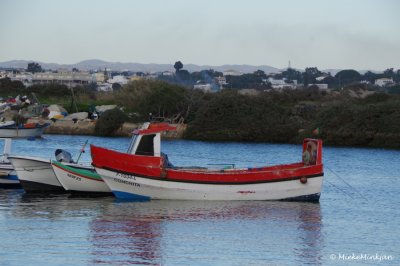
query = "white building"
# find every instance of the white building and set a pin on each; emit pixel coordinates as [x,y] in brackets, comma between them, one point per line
[322,86]
[122,80]
[71,79]
[203,87]
[232,72]
[383,82]
[104,87]
[98,77]
[168,73]
[25,78]
[281,84]
[221,81]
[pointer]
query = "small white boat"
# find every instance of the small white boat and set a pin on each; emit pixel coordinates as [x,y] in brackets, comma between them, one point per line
[7,123]
[79,178]
[8,176]
[10,130]
[36,174]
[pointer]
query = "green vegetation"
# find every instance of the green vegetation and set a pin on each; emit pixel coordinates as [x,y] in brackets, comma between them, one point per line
[9,87]
[159,98]
[290,116]
[109,122]
[34,67]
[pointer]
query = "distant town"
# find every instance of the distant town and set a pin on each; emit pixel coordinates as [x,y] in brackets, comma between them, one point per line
[207,80]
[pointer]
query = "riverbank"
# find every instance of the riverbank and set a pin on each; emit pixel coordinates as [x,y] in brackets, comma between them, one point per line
[87,127]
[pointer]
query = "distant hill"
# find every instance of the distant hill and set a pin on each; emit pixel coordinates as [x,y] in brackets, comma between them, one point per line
[94,64]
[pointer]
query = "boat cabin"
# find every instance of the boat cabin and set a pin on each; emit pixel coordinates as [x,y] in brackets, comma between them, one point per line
[147,140]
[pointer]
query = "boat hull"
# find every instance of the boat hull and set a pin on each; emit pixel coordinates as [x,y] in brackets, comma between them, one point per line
[9,182]
[126,186]
[21,132]
[36,174]
[80,179]
[8,177]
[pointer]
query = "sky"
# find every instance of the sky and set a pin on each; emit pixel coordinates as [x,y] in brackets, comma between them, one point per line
[340,34]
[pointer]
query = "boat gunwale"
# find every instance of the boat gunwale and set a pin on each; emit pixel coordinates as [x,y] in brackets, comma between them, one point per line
[66,168]
[169,179]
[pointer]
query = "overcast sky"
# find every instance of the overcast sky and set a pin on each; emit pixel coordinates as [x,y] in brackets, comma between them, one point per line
[359,34]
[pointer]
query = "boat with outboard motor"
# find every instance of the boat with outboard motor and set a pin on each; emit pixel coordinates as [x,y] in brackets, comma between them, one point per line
[144,173]
[36,174]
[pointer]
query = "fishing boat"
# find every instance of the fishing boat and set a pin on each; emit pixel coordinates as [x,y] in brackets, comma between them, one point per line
[11,130]
[36,174]
[144,173]
[8,176]
[79,179]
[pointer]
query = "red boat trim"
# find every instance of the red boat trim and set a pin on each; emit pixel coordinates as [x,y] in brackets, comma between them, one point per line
[74,173]
[211,182]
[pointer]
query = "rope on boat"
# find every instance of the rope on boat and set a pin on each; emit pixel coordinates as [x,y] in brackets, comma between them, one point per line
[344,181]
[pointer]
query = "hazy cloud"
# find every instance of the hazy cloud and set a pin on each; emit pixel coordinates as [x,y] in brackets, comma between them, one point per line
[360,34]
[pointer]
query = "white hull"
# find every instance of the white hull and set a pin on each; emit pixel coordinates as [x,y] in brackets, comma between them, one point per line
[74,181]
[128,186]
[35,173]
[21,133]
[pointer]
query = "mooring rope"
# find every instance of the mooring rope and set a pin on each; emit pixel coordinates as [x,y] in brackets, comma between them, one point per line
[338,188]
[344,181]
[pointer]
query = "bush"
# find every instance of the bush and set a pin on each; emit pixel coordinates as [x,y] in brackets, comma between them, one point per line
[109,122]
[9,87]
[157,97]
[229,116]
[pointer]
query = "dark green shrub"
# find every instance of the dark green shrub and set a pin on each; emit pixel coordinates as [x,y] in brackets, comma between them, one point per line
[109,122]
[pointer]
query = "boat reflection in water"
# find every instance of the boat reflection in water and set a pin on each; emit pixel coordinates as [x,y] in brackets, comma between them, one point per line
[190,232]
[106,231]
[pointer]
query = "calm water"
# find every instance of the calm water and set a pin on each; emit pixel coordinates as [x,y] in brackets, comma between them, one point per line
[356,223]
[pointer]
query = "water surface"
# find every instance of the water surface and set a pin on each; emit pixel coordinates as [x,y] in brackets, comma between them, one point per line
[357,216]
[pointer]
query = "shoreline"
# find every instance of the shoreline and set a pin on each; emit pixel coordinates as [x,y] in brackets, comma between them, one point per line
[86,127]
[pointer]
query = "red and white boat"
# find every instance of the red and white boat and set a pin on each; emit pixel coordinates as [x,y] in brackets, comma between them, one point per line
[144,173]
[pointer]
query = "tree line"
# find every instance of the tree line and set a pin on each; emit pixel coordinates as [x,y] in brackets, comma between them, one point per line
[288,116]
[259,79]
[345,117]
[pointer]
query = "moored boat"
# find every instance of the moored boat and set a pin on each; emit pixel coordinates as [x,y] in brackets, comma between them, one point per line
[36,174]
[79,179]
[22,131]
[144,173]
[8,176]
